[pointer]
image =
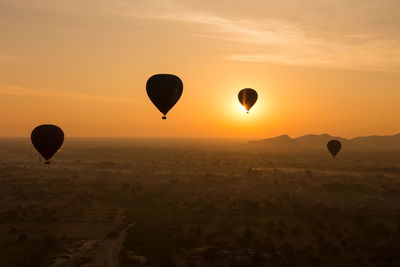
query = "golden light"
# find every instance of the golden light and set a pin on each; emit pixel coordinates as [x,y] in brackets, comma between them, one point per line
[236,115]
[241,108]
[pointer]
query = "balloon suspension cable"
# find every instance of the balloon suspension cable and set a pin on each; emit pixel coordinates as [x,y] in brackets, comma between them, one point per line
[47,162]
[164,117]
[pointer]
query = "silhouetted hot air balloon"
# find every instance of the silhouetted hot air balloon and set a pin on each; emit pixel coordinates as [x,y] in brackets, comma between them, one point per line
[164,90]
[334,147]
[247,97]
[47,139]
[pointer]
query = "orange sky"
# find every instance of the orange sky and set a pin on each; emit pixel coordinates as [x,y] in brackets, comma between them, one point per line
[318,67]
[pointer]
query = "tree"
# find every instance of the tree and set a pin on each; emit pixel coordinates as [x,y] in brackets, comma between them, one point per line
[22,237]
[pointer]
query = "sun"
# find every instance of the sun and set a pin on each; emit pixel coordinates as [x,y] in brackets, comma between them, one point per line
[241,108]
[239,114]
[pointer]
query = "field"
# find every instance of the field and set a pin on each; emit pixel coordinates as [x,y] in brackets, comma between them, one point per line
[172,202]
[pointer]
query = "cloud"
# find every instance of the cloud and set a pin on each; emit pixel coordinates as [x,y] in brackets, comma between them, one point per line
[370,56]
[282,40]
[8,58]
[24,92]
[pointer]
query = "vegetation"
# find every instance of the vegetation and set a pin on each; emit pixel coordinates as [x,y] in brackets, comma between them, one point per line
[202,204]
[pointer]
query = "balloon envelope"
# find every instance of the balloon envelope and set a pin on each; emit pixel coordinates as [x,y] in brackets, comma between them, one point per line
[247,97]
[47,139]
[164,90]
[334,147]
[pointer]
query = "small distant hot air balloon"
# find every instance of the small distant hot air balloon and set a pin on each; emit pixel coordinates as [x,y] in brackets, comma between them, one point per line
[247,97]
[334,147]
[47,139]
[164,90]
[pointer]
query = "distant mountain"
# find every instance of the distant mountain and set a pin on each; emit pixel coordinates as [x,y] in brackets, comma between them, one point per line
[277,141]
[314,141]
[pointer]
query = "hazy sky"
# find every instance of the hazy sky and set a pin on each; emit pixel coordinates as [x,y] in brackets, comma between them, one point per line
[318,66]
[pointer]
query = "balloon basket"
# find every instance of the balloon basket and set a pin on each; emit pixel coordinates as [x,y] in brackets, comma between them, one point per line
[164,117]
[47,162]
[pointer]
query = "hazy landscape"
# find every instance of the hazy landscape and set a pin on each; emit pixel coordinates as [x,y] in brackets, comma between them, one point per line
[187,133]
[192,202]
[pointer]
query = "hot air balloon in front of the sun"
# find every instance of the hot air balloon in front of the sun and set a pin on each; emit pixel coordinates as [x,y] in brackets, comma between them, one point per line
[164,90]
[47,140]
[247,97]
[334,147]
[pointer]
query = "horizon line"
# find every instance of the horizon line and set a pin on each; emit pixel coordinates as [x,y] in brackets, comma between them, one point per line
[203,137]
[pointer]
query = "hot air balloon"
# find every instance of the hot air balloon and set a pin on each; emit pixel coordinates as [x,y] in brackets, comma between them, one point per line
[164,90]
[247,97]
[334,147]
[47,139]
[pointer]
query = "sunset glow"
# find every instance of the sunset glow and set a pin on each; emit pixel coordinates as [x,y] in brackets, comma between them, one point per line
[83,65]
[199,133]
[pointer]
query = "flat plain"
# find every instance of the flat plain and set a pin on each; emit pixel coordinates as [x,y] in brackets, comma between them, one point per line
[189,202]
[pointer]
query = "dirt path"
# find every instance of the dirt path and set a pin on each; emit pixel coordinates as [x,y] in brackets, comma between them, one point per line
[102,253]
[110,249]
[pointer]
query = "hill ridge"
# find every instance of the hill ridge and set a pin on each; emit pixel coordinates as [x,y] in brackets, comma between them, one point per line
[316,141]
